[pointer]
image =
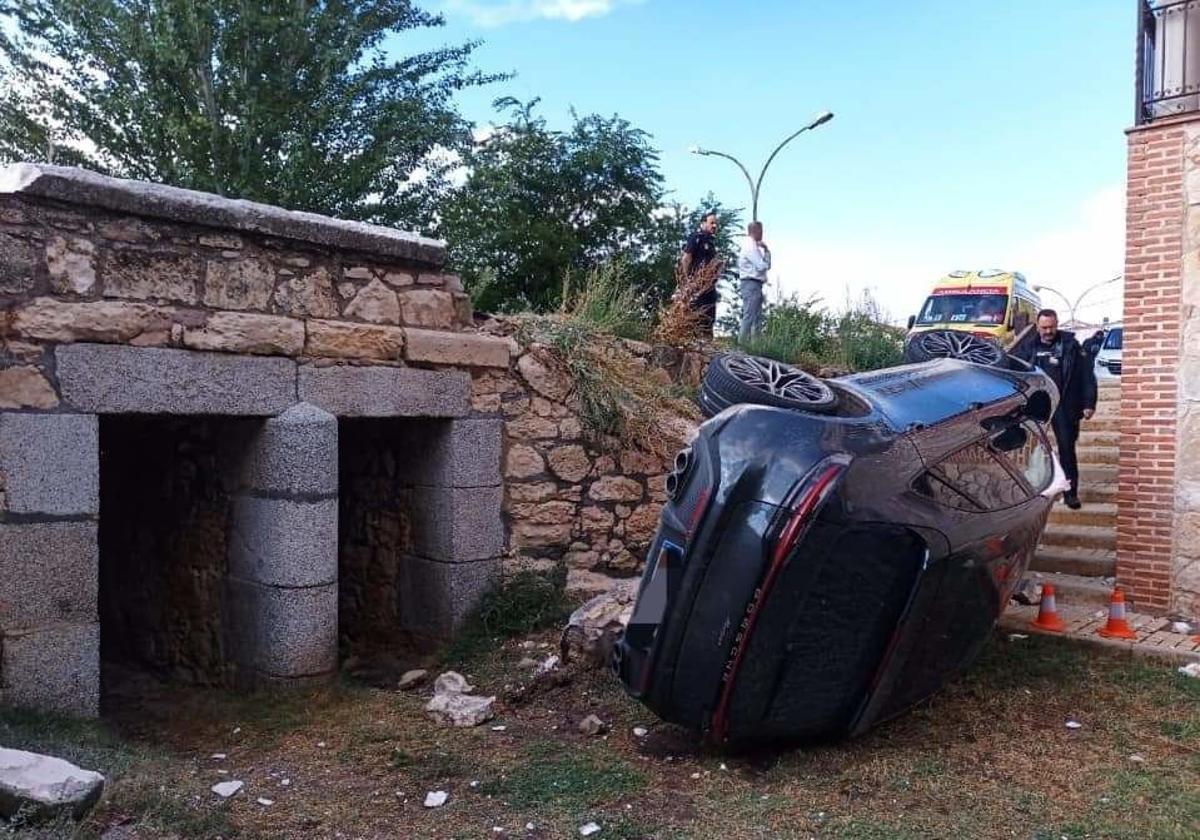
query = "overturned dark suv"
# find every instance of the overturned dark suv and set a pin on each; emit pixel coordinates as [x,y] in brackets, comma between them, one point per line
[832,550]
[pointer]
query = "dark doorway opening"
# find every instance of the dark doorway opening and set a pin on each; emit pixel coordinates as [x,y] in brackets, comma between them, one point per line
[165,502]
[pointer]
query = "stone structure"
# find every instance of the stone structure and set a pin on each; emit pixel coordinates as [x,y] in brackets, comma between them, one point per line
[216,348]
[233,437]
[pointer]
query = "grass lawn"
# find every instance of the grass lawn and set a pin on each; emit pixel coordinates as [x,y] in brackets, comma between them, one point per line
[990,756]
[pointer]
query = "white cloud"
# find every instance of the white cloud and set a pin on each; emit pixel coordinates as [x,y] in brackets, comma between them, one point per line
[1086,248]
[501,12]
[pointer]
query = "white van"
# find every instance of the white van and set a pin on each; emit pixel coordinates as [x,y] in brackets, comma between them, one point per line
[1108,360]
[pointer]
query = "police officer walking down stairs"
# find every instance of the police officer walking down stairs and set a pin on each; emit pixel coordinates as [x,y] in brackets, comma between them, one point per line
[1061,357]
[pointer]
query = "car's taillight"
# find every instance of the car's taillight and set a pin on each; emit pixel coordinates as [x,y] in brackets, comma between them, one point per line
[807,502]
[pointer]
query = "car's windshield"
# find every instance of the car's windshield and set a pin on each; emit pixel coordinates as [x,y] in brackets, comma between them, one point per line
[1112,341]
[966,307]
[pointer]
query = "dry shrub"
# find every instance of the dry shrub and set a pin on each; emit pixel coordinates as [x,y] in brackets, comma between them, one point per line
[679,323]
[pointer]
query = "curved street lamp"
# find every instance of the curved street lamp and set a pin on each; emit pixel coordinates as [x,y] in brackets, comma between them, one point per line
[756,186]
[1071,307]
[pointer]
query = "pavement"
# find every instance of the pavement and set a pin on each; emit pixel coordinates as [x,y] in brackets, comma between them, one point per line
[1154,636]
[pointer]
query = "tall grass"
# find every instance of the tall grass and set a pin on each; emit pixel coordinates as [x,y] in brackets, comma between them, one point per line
[606,298]
[803,333]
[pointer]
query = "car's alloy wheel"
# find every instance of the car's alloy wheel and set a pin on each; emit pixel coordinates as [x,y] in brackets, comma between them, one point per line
[735,378]
[952,344]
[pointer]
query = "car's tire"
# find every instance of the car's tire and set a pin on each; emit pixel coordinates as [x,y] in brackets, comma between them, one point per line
[954,344]
[735,378]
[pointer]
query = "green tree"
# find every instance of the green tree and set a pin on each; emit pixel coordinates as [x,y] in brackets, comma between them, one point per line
[539,205]
[290,103]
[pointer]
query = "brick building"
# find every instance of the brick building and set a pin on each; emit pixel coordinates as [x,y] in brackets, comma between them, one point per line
[1158,531]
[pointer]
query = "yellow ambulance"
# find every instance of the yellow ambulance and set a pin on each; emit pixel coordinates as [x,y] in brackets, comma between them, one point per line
[991,304]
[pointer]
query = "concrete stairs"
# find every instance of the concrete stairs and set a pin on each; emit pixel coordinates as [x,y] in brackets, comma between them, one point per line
[1078,552]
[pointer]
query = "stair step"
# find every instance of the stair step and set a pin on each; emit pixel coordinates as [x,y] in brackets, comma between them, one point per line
[1085,562]
[1092,454]
[1079,536]
[1097,474]
[1101,492]
[1101,424]
[1077,590]
[1103,514]
[1099,437]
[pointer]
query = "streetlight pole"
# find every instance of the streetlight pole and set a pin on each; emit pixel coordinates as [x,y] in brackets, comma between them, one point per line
[756,186]
[1071,307]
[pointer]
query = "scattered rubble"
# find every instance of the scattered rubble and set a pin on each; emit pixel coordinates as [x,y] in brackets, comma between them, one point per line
[640,731]
[452,705]
[1028,592]
[594,628]
[1183,628]
[1192,669]
[452,682]
[45,785]
[588,829]
[227,789]
[1074,724]
[550,663]
[436,798]
[411,679]
[591,725]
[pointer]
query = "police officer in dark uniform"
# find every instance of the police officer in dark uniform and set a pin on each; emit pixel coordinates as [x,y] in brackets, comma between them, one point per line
[700,250]
[1059,355]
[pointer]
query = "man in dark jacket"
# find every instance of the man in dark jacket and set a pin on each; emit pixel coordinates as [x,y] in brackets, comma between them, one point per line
[1061,358]
[1092,345]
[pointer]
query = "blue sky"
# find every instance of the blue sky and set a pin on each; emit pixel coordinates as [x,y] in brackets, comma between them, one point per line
[967,134]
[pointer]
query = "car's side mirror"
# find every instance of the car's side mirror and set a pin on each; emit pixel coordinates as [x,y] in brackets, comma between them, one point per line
[912,319]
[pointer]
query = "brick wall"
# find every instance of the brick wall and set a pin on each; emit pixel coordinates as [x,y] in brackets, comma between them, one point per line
[1155,215]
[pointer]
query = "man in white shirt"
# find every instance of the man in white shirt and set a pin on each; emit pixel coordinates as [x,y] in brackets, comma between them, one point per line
[753,263]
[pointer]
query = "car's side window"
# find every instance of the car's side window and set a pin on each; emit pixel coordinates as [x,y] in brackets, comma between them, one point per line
[1032,459]
[973,479]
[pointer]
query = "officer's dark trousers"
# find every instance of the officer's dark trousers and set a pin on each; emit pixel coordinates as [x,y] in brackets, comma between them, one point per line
[1066,432]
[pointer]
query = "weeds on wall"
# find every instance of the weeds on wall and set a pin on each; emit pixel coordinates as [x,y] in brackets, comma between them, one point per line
[619,405]
[605,297]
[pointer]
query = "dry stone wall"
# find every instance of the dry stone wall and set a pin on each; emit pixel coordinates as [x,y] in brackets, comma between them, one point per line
[572,497]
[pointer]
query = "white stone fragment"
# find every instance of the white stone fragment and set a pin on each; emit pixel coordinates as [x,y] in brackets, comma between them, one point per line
[227,789]
[45,784]
[412,678]
[461,709]
[436,798]
[452,682]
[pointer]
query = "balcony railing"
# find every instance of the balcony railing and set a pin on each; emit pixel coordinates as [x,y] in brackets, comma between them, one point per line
[1168,58]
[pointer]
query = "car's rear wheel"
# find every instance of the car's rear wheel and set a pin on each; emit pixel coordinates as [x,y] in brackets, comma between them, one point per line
[953,344]
[735,378]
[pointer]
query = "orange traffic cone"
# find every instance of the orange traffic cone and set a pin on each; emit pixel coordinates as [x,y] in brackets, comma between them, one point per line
[1048,618]
[1117,626]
